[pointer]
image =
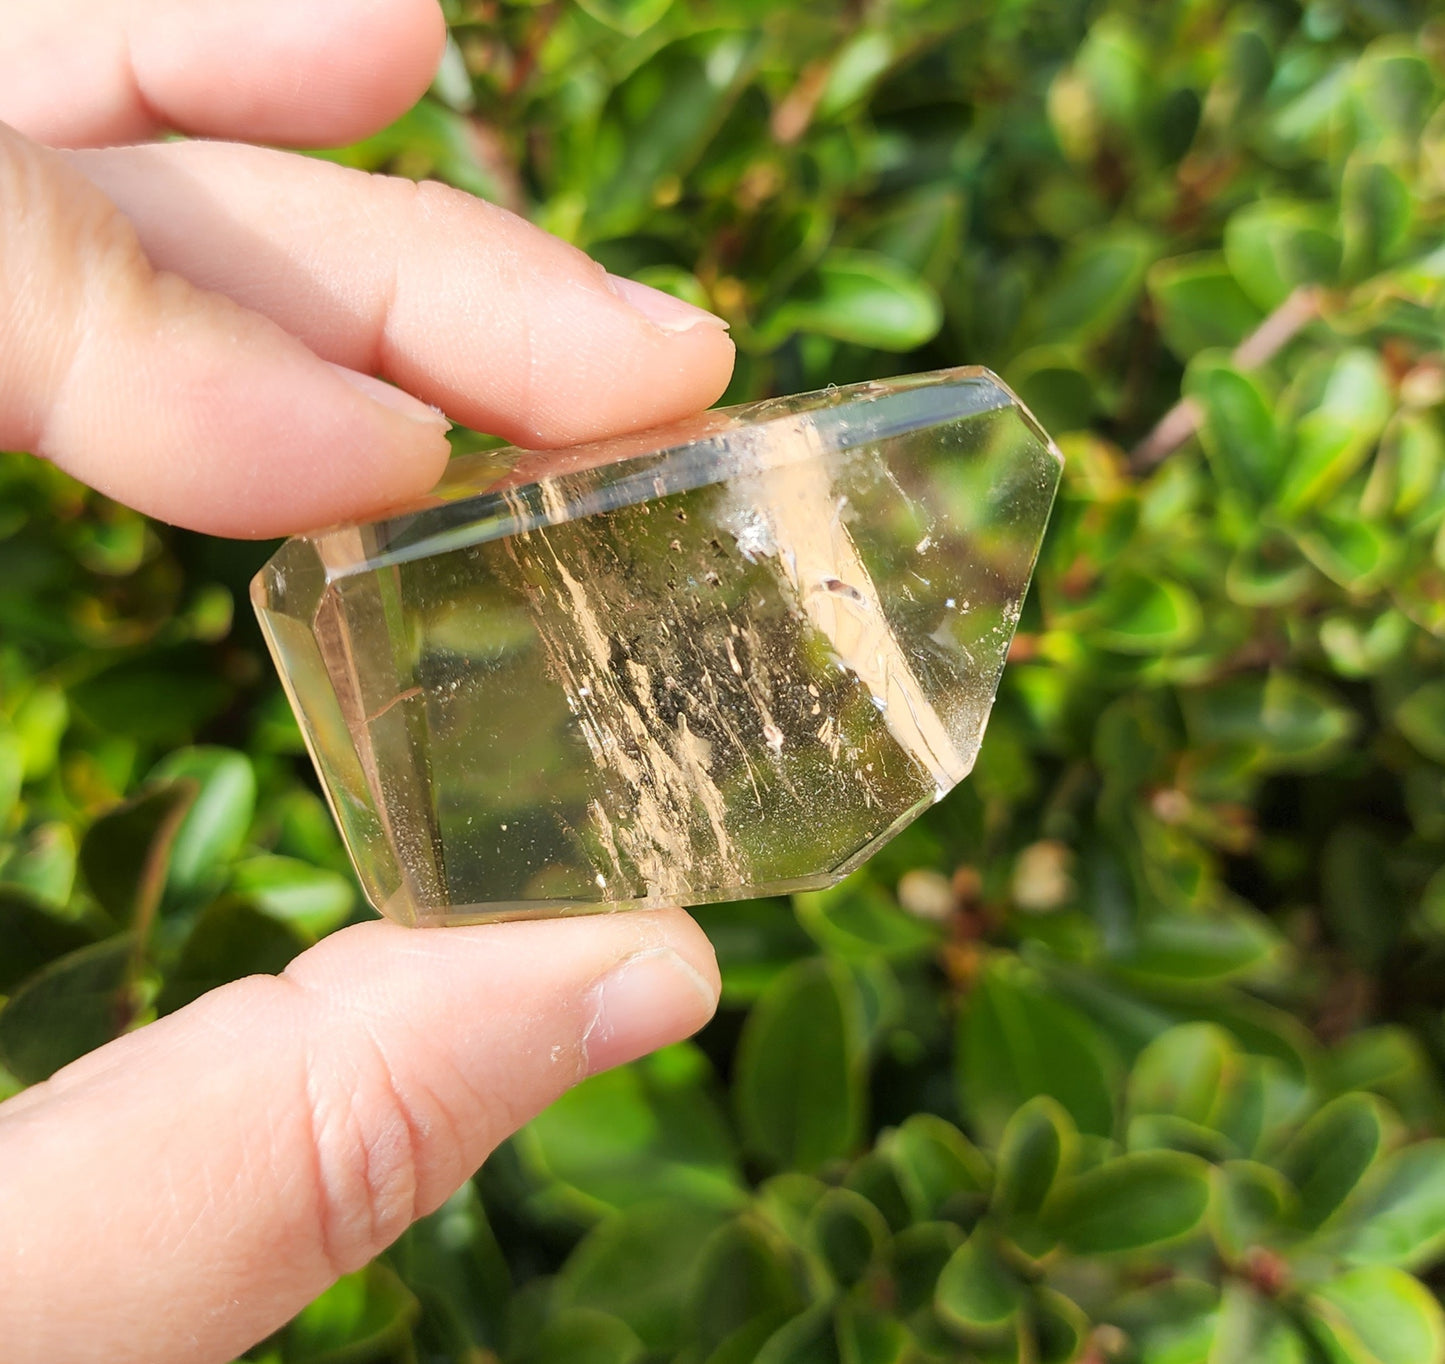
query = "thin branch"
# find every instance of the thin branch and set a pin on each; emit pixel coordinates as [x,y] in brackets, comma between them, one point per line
[1266,341]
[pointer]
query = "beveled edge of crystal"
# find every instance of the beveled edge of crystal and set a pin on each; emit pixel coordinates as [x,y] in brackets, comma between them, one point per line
[463,510]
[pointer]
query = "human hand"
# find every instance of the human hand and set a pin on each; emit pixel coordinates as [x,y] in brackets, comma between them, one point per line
[172,320]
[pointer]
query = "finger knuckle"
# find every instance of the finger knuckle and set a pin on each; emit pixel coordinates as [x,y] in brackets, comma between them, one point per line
[366,1144]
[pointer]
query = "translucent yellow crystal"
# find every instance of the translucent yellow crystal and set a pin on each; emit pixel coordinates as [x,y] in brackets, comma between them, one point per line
[721,659]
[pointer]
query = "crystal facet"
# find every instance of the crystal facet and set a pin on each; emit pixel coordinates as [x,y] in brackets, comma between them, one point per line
[727,658]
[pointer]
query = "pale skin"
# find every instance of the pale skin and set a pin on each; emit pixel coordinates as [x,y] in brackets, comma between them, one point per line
[202,330]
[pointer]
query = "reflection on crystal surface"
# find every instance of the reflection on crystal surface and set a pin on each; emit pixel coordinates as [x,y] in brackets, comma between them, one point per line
[723,659]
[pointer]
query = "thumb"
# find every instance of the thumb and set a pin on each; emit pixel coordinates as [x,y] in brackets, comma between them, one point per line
[219,1168]
[170,398]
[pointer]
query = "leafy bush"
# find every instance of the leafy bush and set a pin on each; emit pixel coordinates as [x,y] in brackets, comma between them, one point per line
[1129,1051]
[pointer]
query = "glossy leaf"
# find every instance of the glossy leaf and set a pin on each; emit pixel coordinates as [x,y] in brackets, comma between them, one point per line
[125,853]
[33,936]
[1294,725]
[312,899]
[799,1083]
[1184,1073]
[636,1265]
[1334,437]
[1238,431]
[1036,1150]
[71,1006]
[1252,1328]
[1200,305]
[976,1293]
[1421,718]
[1399,1216]
[1130,1203]
[1332,1153]
[646,1131]
[1276,246]
[231,938]
[1378,1316]
[355,1319]
[1016,1041]
[859,297]
[214,827]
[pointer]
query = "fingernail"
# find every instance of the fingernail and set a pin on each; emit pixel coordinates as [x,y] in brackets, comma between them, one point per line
[645,1003]
[388,395]
[662,310]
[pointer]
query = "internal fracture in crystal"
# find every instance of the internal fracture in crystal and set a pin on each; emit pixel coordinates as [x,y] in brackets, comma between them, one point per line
[723,659]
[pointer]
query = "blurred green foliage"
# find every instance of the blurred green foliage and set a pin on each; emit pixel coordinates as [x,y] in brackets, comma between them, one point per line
[1132,1049]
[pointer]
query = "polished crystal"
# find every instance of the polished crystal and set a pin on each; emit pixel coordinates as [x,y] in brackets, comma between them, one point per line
[727,658]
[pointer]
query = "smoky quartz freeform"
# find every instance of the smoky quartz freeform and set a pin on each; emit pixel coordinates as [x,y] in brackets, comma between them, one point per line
[725,658]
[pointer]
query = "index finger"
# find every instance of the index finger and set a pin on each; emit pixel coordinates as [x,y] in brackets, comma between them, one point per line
[76,73]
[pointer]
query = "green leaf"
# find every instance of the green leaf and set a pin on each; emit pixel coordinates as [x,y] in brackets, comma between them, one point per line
[869,1335]
[428,141]
[1348,551]
[656,124]
[1268,569]
[1037,1149]
[1199,304]
[1363,648]
[125,853]
[860,297]
[354,1320]
[799,1082]
[1252,1206]
[807,1339]
[1377,212]
[32,937]
[1393,92]
[1130,1203]
[231,938]
[584,1335]
[933,1163]
[1398,1217]
[630,17]
[1184,1073]
[1377,1315]
[1252,1328]
[215,826]
[1333,438]
[1208,945]
[74,1004]
[976,1294]
[858,920]
[1098,282]
[1333,1152]
[650,1130]
[1274,246]
[1145,615]
[1421,719]
[1017,1040]
[848,1233]
[1060,1327]
[637,1264]
[1293,725]
[1360,904]
[920,1253]
[855,70]
[746,1272]
[1238,432]
[755,941]
[12,770]
[452,1261]
[156,698]
[40,720]
[311,899]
